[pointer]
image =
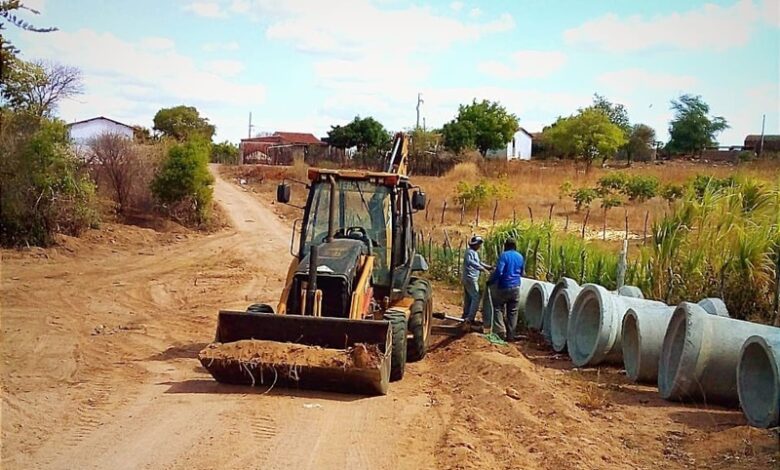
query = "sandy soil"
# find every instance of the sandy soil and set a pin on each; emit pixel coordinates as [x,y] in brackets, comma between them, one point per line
[100,338]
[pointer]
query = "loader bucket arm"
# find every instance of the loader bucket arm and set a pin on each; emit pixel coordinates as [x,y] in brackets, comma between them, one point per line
[296,332]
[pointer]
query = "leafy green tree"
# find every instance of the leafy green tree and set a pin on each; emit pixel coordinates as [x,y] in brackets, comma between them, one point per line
[588,135]
[37,87]
[224,152]
[184,179]
[363,133]
[640,143]
[692,129]
[482,125]
[182,123]
[45,189]
[616,112]
[459,136]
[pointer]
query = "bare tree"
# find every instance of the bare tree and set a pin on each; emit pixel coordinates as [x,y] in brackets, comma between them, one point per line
[38,86]
[114,160]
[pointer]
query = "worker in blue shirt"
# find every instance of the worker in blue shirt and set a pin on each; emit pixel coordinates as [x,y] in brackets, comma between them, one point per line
[505,281]
[472,268]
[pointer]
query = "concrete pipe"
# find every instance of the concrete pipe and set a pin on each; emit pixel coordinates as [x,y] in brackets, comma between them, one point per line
[758,380]
[643,337]
[535,304]
[559,306]
[700,354]
[563,283]
[595,325]
[525,288]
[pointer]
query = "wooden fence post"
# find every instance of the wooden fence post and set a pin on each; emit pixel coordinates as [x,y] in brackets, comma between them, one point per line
[549,216]
[644,236]
[585,222]
[626,215]
[426,209]
[443,208]
[476,222]
[462,212]
[514,216]
[531,213]
[604,227]
[495,208]
[566,225]
[622,262]
[583,260]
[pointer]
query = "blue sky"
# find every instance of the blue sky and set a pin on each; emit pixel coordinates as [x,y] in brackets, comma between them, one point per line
[302,65]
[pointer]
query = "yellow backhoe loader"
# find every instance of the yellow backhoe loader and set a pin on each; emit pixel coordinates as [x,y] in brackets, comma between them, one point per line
[351,290]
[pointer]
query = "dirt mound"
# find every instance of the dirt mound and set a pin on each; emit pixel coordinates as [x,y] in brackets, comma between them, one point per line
[272,352]
[518,406]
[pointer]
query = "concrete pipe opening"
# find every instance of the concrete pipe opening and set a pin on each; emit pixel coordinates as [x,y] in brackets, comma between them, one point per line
[672,352]
[584,336]
[559,320]
[632,345]
[534,307]
[758,383]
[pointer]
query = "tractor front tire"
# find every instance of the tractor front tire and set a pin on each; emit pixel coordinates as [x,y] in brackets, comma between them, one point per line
[398,352]
[420,314]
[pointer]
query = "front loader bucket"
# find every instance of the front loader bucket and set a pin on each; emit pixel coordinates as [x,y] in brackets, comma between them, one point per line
[298,351]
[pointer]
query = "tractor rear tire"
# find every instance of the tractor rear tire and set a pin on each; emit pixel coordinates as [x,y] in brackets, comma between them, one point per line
[420,314]
[398,348]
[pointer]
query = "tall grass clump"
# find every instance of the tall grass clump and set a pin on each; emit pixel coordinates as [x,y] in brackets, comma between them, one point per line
[550,255]
[723,240]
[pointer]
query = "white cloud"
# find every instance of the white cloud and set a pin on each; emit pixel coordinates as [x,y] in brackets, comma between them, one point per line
[771,12]
[475,13]
[630,80]
[525,64]
[226,67]
[708,27]
[206,9]
[348,28]
[456,6]
[131,81]
[157,43]
[220,46]
[240,6]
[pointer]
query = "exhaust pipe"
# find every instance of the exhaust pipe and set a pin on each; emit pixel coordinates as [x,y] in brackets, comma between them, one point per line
[311,287]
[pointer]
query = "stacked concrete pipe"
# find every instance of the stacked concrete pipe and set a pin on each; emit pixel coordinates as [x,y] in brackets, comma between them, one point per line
[758,380]
[595,324]
[643,337]
[558,311]
[700,355]
[535,304]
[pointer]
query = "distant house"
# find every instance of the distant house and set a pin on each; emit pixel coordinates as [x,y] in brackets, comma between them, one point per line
[519,148]
[771,143]
[81,132]
[279,148]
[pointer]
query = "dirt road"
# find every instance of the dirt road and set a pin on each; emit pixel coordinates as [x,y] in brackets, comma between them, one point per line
[99,367]
[99,370]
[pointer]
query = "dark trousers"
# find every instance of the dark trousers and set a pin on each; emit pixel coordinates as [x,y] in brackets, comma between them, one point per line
[506,303]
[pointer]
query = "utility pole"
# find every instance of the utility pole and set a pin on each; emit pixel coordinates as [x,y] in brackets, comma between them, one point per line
[249,135]
[761,145]
[423,124]
[419,102]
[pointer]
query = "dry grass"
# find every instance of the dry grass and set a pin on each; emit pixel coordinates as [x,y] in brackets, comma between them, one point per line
[535,187]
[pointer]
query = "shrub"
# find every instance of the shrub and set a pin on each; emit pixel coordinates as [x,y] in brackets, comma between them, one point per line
[475,195]
[613,181]
[183,183]
[583,197]
[611,201]
[45,189]
[224,152]
[564,189]
[641,188]
[671,192]
[701,184]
